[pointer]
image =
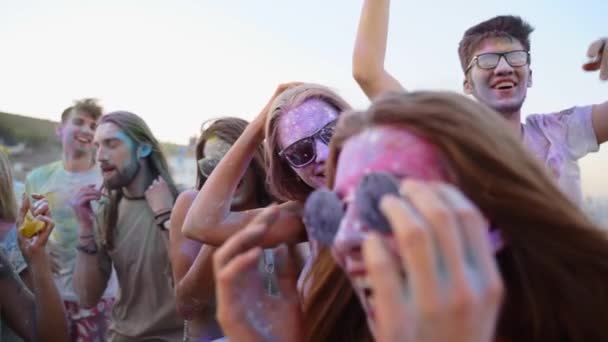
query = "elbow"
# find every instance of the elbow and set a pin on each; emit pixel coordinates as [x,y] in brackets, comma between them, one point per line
[366,78]
[360,74]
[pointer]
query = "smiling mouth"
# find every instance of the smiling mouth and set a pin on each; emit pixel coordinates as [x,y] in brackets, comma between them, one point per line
[506,85]
[83,140]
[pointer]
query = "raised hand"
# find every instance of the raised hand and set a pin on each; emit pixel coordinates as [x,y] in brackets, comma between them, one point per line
[159,196]
[81,204]
[261,118]
[598,58]
[443,284]
[245,310]
[33,248]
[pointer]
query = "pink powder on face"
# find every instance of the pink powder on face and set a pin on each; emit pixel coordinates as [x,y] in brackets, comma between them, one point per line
[387,149]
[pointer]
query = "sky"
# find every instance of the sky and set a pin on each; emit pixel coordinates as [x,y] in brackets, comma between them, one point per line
[178,63]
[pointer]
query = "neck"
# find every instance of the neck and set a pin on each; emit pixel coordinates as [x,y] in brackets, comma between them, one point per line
[514,122]
[77,163]
[140,182]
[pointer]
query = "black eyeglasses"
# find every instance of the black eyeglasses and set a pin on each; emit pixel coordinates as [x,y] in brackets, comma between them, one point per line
[324,210]
[486,61]
[303,151]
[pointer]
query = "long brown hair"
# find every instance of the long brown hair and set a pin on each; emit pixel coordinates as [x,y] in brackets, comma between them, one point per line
[555,262]
[229,129]
[283,182]
[137,129]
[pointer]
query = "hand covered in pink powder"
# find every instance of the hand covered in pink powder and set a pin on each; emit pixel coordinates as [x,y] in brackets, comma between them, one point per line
[245,309]
[443,284]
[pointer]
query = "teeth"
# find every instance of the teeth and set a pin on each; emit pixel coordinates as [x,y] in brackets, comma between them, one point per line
[504,85]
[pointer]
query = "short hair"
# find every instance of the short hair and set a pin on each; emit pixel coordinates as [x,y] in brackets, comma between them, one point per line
[503,26]
[88,106]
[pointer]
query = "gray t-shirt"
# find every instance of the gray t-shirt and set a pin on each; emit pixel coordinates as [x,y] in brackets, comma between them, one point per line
[145,306]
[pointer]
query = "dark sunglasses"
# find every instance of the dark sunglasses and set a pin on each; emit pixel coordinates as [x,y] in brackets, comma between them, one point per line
[486,61]
[303,151]
[324,210]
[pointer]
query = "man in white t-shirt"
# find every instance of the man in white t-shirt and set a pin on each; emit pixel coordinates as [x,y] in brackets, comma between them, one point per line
[495,59]
[58,181]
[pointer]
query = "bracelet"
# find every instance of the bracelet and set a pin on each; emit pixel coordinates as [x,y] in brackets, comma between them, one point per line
[162,212]
[162,217]
[90,249]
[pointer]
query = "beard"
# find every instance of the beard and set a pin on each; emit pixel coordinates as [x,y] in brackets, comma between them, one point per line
[123,177]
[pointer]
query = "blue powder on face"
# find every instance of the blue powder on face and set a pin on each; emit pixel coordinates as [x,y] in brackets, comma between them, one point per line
[322,215]
[367,199]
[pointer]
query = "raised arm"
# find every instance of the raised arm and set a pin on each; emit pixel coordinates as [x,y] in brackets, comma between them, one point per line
[210,219]
[370,50]
[39,316]
[93,265]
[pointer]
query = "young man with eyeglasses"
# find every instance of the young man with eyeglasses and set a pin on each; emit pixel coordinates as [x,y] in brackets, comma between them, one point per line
[495,59]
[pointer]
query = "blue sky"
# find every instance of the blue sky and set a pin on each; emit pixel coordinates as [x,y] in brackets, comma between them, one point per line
[177,63]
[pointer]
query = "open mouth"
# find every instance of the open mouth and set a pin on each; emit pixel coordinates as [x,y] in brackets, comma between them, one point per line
[505,85]
[107,169]
[82,139]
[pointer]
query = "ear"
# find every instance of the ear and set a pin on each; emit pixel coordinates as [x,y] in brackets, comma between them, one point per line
[467,87]
[144,150]
[530,79]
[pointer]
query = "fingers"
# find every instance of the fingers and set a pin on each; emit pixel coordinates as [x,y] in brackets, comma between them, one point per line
[236,267]
[25,206]
[604,66]
[444,227]
[40,207]
[287,272]
[598,55]
[476,235]
[238,244]
[415,247]
[43,236]
[268,216]
[593,52]
[387,285]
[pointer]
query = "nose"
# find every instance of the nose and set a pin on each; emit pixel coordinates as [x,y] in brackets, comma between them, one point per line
[503,68]
[349,238]
[322,151]
[101,155]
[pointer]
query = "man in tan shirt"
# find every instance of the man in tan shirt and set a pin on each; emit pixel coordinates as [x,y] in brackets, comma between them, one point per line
[129,232]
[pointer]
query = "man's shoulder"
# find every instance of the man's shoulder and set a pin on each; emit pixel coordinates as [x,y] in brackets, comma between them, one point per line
[44,171]
[563,116]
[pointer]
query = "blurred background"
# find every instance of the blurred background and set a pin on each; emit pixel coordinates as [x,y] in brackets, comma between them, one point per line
[179,63]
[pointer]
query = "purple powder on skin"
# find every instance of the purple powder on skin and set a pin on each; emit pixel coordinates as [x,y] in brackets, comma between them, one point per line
[322,215]
[367,199]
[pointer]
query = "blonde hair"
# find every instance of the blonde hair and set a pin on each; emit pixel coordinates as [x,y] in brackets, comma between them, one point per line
[8,203]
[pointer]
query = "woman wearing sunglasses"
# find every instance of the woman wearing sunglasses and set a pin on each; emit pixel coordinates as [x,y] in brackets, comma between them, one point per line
[297,123]
[445,229]
[191,260]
